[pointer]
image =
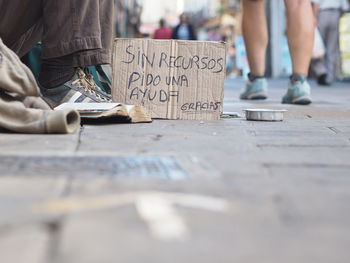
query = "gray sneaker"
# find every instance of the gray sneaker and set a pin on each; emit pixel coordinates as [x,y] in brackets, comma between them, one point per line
[77,90]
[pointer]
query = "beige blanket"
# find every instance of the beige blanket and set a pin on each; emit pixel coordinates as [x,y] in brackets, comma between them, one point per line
[21,108]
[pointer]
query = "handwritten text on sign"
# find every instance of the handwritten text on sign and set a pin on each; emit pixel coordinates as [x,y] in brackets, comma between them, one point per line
[159,76]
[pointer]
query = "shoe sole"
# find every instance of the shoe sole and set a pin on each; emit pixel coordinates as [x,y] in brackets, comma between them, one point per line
[324,84]
[300,101]
[255,97]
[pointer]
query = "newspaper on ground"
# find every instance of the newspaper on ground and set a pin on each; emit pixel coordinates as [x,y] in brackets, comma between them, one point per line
[109,111]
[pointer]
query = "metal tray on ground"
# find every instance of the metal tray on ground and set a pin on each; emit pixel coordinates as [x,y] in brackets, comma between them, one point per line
[264,114]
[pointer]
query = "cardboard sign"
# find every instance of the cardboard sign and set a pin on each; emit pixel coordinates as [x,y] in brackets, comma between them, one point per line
[172,79]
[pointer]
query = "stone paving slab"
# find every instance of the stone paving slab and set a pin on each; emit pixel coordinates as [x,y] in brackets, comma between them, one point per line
[36,144]
[26,244]
[25,236]
[321,156]
[271,217]
[153,135]
[18,194]
[196,145]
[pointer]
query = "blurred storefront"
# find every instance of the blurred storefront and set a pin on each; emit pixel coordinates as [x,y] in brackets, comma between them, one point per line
[127,13]
[345,44]
[154,10]
[225,26]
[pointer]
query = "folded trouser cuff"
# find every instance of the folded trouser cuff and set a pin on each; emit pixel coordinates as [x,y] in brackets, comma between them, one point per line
[67,48]
[65,121]
[87,52]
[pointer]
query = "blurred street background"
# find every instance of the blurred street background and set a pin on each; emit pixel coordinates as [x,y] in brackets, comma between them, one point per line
[220,20]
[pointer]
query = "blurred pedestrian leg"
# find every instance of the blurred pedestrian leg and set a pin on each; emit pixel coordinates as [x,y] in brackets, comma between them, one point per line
[255,35]
[300,39]
[329,30]
[300,32]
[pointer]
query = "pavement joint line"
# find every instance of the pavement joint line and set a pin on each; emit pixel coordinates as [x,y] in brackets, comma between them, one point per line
[305,165]
[252,132]
[335,130]
[167,167]
[301,146]
[79,140]
[54,229]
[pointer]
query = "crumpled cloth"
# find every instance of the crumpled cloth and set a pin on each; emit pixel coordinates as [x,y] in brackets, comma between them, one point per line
[21,108]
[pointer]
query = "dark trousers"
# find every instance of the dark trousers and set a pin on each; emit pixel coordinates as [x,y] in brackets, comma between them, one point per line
[83,28]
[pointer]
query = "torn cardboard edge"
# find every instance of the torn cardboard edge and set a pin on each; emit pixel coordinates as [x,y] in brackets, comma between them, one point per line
[109,112]
[172,79]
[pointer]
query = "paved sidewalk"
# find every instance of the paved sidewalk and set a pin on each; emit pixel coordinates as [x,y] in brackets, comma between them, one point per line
[184,191]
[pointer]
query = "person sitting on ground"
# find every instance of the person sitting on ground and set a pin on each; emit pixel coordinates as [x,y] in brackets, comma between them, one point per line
[301,29]
[163,32]
[184,30]
[74,35]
